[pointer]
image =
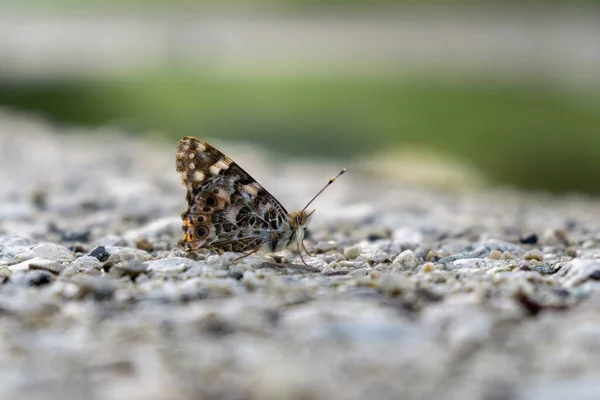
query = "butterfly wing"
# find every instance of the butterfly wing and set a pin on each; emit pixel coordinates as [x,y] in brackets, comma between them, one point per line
[227,209]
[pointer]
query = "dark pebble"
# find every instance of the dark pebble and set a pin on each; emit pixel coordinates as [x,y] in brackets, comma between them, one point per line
[68,236]
[531,238]
[77,248]
[237,275]
[379,235]
[428,295]
[595,276]
[32,278]
[100,253]
[531,306]
[216,326]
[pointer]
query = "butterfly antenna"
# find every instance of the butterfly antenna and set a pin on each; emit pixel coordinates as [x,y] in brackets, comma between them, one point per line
[325,187]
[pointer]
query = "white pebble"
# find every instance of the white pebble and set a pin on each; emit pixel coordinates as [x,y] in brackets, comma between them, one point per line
[407,260]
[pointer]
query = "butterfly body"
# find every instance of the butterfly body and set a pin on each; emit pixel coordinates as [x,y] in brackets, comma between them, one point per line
[228,211]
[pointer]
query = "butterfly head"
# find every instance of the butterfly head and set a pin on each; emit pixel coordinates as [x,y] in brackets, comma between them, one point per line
[299,221]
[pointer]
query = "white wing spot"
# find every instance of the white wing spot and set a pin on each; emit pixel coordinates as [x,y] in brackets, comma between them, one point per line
[221,164]
[250,189]
[198,176]
[192,165]
[191,155]
[218,167]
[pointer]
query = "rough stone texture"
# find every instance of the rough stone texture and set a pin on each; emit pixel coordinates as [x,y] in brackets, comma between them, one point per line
[411,293]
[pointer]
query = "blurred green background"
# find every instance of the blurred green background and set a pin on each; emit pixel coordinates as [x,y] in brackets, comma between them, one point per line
[510,89]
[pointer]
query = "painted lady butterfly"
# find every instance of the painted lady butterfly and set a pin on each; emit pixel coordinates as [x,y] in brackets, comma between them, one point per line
[228,211]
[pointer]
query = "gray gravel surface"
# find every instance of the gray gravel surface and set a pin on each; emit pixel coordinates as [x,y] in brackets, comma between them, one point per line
[412,293]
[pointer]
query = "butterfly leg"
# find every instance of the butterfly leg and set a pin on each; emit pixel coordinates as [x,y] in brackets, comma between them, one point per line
[247,254]
[300,254]
[307,252]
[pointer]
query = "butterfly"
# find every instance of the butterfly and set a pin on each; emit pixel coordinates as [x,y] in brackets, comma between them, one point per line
[228,211]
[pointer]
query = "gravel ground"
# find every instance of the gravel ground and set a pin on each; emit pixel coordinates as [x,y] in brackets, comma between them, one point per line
[412,293]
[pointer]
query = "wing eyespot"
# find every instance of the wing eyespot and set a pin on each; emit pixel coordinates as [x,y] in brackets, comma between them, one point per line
[202,231]
[210,201]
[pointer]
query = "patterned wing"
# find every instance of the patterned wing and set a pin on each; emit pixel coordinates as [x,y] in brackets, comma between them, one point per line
[227,209]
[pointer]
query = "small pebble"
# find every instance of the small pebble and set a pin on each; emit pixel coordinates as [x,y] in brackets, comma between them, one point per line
[50,251]
[533,255]
[543,269]
[77,248]
[236,274]
[85,264]
[133,269]
[5,273]
[561,235]
[432,256]
[144,244]
[32,278]
[325,246]
[100,253]
[595,275]
[361,272]
[422,252]
[378,234]
[170,265]
[495,255]
[47,265]
[407,260]
[428,267]
[351,253]
[530,238]
[378,256]
[524,265]
[375,274]
[99,288]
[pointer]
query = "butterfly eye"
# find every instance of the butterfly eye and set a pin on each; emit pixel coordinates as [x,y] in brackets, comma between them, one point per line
[201,231]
